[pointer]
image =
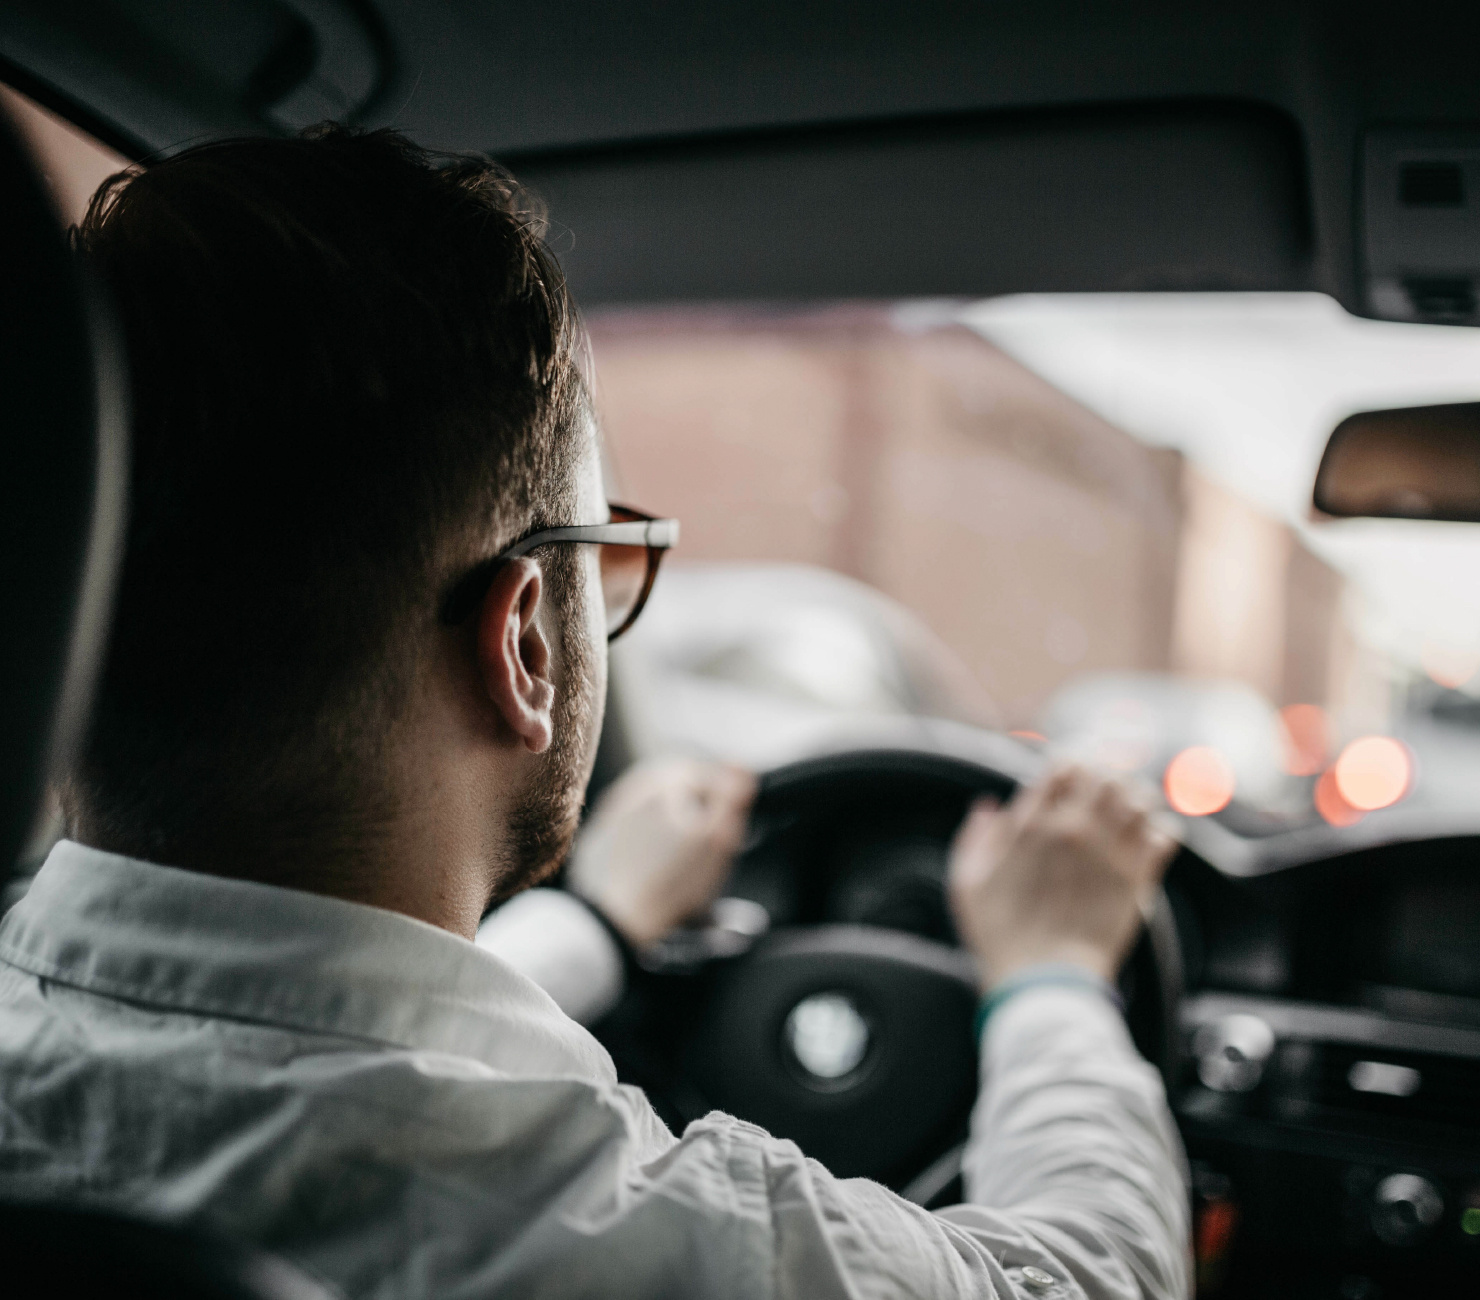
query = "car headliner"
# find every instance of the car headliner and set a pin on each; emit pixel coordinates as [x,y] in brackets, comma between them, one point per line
[822,148]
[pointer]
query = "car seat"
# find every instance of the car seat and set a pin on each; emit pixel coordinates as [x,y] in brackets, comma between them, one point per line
[63,481]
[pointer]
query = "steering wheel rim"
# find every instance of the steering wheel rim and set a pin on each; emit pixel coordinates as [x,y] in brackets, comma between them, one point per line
[897,1115]
[979,777]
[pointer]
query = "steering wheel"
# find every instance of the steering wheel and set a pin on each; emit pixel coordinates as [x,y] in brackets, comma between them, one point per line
[847,1027]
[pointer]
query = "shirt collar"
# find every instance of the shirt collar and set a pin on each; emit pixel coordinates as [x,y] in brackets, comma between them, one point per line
[230,948]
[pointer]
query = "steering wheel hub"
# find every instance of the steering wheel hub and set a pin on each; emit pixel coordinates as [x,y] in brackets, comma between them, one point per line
[828,1039]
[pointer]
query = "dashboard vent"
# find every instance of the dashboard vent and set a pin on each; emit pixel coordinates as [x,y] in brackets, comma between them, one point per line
[1408,1087]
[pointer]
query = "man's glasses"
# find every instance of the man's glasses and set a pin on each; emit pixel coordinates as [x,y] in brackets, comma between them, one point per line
[632,547]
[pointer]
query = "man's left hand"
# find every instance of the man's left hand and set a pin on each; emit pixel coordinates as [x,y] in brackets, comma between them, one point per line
[658,847]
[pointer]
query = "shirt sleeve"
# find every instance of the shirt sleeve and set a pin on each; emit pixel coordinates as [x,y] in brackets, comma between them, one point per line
[553,939]
[1074,1174]
[1075,1180]
[1072,1140]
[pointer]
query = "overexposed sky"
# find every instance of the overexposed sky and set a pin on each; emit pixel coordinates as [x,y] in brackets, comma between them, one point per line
[1249,386]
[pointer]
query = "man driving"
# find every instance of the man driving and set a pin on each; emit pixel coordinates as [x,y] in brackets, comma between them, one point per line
[351,701]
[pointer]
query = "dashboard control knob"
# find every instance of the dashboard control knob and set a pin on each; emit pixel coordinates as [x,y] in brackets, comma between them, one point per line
[1232,1051]
[1405,1209]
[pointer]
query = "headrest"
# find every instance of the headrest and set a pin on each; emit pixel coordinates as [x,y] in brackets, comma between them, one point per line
[63,482]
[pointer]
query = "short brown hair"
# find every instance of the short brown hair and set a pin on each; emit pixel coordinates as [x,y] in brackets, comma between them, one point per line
[354,368]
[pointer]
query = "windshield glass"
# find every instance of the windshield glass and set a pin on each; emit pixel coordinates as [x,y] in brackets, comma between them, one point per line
[1083,519]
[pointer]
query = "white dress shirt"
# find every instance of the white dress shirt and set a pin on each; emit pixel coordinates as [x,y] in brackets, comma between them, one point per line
[555,940]
[403,1113]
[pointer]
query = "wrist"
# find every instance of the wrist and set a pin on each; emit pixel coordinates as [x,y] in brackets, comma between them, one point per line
[636,929]
[1047,974]
[626,949]
[1002,964]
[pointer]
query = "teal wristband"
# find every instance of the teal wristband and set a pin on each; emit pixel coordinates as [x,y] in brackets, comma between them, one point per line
[1062,974]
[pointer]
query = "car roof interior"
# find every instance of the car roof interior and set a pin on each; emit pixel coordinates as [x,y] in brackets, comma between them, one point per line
[793,151]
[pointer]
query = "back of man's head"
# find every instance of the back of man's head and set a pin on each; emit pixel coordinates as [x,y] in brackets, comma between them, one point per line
[353,369]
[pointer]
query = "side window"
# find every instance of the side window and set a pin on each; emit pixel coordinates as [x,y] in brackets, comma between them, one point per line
[73,163]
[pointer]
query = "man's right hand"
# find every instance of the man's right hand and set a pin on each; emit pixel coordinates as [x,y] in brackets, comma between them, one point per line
[1063,874]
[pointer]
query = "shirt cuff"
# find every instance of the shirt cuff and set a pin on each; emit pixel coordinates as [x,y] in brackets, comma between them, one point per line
[1060,974]
[554,939]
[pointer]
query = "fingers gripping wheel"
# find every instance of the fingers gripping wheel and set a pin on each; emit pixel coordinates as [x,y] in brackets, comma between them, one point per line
[848,1029]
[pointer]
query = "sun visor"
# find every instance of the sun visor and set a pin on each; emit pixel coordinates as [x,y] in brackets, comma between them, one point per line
[148,77]
[1202,195]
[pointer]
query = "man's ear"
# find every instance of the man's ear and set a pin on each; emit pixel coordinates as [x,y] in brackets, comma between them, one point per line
[514,656]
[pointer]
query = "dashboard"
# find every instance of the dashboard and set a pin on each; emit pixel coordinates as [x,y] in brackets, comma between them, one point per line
[1330,1090]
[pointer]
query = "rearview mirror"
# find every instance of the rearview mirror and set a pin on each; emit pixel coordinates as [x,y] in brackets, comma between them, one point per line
[1417,462]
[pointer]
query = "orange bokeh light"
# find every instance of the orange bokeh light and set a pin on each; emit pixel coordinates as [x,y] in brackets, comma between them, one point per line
[1330,804]
[1198,781]
[1373,772]
[1306,738]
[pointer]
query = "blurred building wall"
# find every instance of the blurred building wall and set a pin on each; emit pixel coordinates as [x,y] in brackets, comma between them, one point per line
[1232,575]
[1033,537]
[1253,603]
[1036,539]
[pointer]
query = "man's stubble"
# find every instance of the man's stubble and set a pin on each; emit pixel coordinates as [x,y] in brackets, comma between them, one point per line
[547,815]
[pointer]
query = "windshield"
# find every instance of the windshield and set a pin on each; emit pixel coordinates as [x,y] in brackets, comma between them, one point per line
[1082,519]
